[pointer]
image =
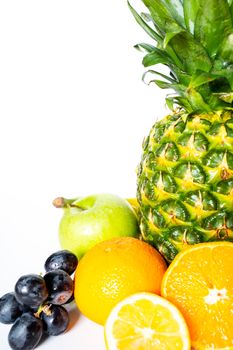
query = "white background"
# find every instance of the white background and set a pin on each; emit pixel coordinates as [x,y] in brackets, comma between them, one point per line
[73,113]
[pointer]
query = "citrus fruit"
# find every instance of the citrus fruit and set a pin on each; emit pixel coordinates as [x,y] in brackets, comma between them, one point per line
[111,271]
[145,321]
[200,283]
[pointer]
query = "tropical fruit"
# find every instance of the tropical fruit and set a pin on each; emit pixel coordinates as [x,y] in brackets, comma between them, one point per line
[145,321]
[185,177]
[111,271]
[199,282]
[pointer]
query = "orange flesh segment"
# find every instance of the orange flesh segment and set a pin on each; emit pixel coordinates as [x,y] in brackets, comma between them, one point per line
[200,284]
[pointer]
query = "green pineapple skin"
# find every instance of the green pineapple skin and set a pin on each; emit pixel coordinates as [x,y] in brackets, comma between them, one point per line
[185,181]
[185,177]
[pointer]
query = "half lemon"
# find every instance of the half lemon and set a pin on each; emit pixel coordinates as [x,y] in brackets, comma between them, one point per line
[146,321]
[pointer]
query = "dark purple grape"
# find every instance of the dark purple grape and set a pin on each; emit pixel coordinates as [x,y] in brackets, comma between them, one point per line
[59,285]
[10,309]
[26,332]
[55,319]
[70,300]
[62,260]
[26,308]
[31,290]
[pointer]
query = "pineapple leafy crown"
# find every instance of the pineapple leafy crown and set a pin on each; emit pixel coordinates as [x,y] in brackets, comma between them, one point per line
[194,39]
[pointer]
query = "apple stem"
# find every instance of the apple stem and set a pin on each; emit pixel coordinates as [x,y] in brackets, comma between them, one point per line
[61,202]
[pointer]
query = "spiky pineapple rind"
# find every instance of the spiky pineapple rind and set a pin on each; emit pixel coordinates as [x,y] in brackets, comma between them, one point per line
[185,181]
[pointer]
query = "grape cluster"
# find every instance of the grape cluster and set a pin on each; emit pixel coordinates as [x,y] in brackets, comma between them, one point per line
[36,306]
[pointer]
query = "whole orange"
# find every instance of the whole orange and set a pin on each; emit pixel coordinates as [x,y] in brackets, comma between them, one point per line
[113,270]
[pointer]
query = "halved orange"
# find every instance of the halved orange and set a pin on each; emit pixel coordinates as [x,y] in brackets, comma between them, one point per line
[199,282]
[146,321]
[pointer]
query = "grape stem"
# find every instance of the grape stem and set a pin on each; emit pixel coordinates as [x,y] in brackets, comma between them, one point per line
[43,308]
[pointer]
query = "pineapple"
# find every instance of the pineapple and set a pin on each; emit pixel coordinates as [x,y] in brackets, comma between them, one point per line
[185,177]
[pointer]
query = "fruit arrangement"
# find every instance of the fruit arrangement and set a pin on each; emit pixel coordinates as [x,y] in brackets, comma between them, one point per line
[36,307]
[156,271]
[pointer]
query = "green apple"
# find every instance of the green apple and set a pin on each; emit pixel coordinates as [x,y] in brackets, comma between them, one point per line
[90,220]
